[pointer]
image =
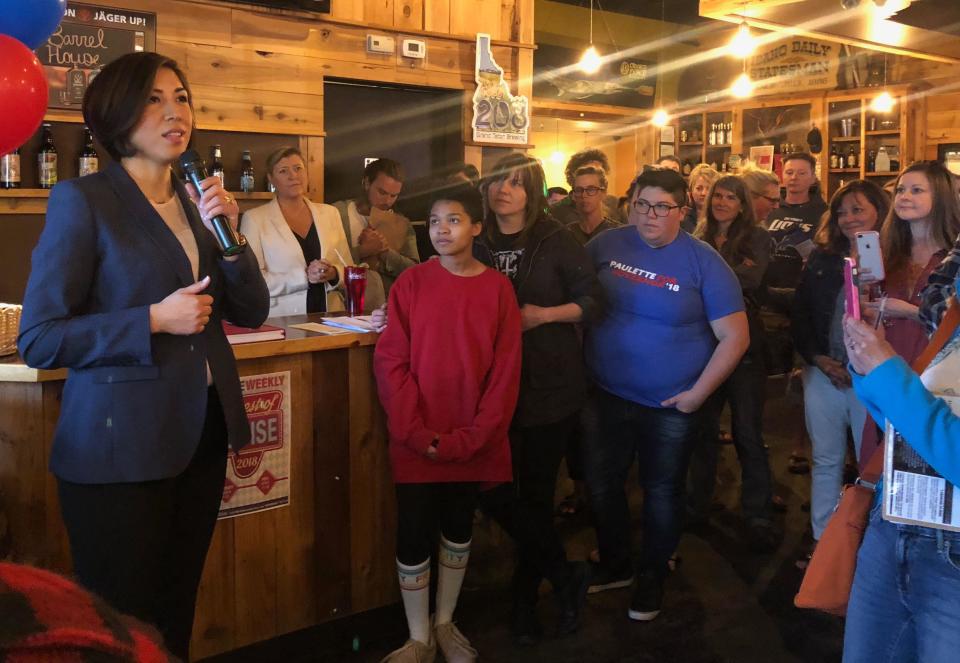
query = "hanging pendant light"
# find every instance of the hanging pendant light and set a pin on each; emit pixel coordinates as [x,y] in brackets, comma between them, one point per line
[743,44]
[590,60]
[660,118]
[742,87]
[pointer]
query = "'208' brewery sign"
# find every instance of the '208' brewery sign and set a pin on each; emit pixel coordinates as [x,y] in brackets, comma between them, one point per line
[258,477]
[498,116]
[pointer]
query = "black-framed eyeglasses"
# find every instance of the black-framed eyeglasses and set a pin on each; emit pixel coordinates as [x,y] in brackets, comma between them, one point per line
[769,199]
[659,209]
[588,191]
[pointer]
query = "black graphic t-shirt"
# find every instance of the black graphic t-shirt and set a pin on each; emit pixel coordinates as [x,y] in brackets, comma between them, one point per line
[506,254]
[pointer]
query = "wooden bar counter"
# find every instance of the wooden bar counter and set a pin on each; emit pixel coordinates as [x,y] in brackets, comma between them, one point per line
[327,554]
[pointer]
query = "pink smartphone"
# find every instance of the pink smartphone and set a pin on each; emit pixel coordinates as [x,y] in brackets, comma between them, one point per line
[869,257]
[851,289]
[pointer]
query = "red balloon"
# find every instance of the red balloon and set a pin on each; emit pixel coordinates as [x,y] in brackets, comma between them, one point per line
[23,94]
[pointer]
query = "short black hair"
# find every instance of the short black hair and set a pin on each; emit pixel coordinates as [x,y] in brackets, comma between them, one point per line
[388,167]
[559,190]
[582,157]
[802,156]
[114,101]
[669,157]
[464,193]
[662,178]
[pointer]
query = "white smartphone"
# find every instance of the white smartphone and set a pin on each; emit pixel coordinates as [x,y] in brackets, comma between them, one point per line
[870,257]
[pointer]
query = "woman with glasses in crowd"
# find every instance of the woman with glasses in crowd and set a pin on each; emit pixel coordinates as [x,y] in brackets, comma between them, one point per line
[673,330]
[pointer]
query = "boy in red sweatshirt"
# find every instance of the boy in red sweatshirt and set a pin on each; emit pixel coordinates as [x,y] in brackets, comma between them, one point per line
[448,373]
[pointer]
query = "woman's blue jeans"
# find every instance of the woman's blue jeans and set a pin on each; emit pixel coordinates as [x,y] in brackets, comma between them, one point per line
[905,603]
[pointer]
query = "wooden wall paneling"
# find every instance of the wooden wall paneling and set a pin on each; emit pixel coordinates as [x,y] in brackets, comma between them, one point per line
[525,73]
[214,627]
[349,10]
[525,18]
[378,12]
[296,543]
[57,541]
[312,149]
[189,22]
[408,15]
[468,17]
[244,68]
[332,484]
[372,504]
[436,16]
[23,489]
[237,109]
[255,541]
[509,20]
[473,154]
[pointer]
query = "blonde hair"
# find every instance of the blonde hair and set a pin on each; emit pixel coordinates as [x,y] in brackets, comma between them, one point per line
[709,173]
[757,179]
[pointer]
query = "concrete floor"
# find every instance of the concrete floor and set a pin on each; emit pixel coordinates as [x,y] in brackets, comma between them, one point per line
[724,604]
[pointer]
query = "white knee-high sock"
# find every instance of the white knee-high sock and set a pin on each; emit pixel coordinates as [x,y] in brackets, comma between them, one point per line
[415,591]
[453,566]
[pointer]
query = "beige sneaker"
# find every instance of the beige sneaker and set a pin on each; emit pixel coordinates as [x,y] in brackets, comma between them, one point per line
[454,645]
[413,651]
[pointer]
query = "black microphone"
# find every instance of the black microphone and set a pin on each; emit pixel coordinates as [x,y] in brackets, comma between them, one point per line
[196,171]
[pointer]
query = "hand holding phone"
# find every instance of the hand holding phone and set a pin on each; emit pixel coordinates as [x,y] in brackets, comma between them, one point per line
[851,288]
[869,257]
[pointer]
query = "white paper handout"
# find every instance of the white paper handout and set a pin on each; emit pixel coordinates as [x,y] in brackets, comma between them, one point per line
[357,323]
[913,492]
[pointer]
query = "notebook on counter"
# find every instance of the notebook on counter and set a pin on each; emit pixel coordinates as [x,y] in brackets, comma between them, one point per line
[357,323]
[237,335]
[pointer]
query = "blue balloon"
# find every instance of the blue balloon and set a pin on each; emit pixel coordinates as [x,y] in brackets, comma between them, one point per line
[31,21]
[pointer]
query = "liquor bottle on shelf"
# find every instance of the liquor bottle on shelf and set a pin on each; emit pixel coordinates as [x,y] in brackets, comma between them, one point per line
[730,133]
[89,162]
[684,136]
[712,138]
[47,159]
[852,158]
[882,163]
[834,157]
[871,161]
[270,187]
[216,163]
[247,180]
[10,170]
[687,167]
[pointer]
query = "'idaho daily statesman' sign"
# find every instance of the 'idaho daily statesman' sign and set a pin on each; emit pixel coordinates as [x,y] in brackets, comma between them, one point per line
[795,65]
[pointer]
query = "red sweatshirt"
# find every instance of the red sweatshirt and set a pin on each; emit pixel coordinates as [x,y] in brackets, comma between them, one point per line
[449,364]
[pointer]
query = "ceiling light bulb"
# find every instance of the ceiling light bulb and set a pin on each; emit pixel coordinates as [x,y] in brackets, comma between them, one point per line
[743,44]
[742,87]
[590,61]
[882,103]
[558,157]
[660,118]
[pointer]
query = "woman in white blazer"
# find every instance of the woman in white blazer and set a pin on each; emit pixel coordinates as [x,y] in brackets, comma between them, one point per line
[298,243]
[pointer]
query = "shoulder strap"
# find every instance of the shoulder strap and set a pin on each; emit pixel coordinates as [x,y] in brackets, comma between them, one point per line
[951,319]
[940,337]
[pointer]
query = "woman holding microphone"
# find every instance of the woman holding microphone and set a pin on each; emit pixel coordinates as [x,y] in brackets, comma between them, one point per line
[299,244]
[128,289]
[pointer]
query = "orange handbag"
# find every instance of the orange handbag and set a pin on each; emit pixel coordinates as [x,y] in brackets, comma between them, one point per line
[829,577]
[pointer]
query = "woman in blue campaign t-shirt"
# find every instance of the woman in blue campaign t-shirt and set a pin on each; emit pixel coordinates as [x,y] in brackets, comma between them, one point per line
[656,339]
[674,330]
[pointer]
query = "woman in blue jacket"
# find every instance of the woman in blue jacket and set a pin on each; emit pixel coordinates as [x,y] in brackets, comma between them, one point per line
[127,290]
[905,602]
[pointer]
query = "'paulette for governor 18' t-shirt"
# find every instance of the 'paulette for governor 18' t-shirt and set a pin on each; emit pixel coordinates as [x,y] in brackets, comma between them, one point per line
[655,338]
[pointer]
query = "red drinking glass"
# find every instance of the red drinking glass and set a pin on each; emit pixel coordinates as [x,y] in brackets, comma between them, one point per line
[356,285]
